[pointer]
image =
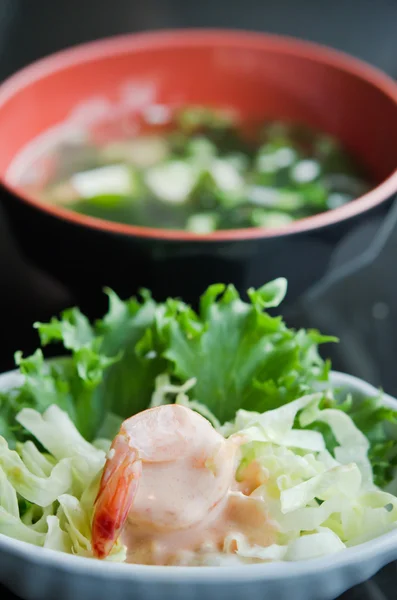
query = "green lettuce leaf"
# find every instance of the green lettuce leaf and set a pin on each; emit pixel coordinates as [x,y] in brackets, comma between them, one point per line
[105,372]
[236,352]
[240,355]
[129,383]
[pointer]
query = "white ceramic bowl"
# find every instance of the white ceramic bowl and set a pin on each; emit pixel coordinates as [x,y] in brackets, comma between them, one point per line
[40,574]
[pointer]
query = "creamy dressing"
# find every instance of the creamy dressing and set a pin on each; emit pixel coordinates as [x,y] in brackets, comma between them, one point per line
[187,504]
[237,513]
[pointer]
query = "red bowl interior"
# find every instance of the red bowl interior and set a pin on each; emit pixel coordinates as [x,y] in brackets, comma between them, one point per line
[260,76]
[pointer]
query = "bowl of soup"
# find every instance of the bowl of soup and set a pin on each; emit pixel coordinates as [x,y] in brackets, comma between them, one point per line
[173,160]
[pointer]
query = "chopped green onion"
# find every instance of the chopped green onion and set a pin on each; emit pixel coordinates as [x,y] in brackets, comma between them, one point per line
[271,219]
[171,182]
[202,223]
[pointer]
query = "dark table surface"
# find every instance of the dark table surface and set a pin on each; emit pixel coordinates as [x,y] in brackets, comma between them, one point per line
[31,29]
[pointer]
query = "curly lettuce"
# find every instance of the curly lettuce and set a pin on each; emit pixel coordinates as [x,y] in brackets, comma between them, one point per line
[237,353]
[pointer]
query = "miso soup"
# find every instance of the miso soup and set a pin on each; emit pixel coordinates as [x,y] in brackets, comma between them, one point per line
[204,170]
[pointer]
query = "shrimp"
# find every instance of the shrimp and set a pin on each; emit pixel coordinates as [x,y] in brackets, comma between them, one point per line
[167,467]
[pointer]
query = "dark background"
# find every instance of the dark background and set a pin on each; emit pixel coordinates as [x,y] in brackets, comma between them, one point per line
[365,28]
[30,29]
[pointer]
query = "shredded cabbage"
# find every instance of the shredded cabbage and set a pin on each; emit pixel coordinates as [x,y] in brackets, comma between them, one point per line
[309,546]
[318,502]
[47,498]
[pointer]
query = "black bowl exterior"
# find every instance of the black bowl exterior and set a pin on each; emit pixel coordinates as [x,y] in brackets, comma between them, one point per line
[87,259]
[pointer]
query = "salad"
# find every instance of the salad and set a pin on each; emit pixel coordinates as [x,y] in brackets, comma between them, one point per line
[174,437]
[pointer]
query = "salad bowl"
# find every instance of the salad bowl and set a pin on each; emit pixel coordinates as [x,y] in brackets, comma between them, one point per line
[38,573]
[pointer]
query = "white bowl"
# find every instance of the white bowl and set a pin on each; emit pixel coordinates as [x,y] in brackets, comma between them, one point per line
[37,573]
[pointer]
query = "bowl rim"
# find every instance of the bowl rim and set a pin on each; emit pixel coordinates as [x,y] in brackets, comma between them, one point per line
[384,547]
[139,42]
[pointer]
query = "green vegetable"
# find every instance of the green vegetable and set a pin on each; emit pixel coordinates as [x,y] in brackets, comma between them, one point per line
[172,181]
[242,357]
[48,500]
[241,368]
[379,424]
[202,223]
[206,160]
[239,355]
[321,502]
[269,218]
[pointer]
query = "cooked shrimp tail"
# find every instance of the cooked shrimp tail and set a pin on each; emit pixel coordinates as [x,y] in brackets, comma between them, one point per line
[168,467]
[117,490]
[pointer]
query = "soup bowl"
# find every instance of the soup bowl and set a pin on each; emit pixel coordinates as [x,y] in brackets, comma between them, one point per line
[39,573]
[259,76]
